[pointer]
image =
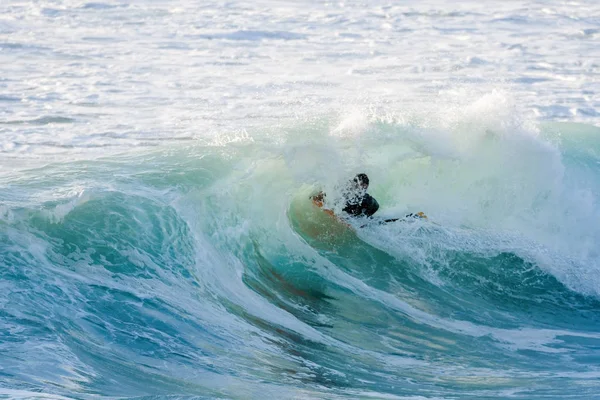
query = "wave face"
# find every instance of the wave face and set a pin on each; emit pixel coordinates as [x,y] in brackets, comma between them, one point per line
[205,270]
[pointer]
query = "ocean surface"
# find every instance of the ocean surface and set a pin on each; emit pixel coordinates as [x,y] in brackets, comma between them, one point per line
[156,233]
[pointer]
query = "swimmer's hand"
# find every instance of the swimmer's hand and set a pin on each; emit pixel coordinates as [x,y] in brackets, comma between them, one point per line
[419,215]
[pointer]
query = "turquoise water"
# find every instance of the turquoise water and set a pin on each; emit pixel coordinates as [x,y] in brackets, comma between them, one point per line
[198,269]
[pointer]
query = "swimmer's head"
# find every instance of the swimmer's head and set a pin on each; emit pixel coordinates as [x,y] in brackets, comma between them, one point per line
[361,181]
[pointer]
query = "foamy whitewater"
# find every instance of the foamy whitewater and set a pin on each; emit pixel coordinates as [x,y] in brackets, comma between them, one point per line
[156,233]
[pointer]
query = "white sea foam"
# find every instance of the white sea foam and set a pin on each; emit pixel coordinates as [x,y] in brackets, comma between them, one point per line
[107,76]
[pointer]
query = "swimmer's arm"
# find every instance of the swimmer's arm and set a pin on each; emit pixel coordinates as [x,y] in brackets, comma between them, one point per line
[319,200]
[318,197]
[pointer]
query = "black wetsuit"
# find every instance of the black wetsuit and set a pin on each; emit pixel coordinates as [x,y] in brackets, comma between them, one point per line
[358,206]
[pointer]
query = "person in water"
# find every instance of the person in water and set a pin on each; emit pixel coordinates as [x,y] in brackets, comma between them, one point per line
[357,202]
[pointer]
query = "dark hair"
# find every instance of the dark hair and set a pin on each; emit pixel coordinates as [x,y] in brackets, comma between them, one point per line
[363,179]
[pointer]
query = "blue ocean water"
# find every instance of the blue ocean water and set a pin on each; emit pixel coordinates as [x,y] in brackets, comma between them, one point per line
[157,237]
